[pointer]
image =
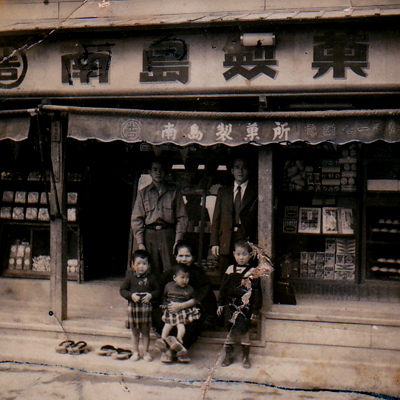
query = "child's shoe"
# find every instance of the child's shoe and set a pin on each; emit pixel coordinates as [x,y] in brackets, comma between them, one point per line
[246,352]
[160,344]
[228,360]
[183,358]
[166,356]
[176,345]
[147,357]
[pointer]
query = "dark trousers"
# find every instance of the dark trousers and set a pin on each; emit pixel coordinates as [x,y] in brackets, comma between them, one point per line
[160,245]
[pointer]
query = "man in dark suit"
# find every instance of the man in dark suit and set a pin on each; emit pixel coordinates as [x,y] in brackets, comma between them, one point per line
[235,214]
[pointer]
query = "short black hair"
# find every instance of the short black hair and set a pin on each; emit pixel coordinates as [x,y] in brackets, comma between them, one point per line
[180,268]
[188,245]
[140,254]
[162,160]
[243,244]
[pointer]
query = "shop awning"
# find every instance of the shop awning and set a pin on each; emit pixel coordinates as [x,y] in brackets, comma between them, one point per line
[232,129]
[138,14]
[15,124]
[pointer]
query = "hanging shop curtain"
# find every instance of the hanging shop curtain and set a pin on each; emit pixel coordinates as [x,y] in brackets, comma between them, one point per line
[232,129]
[15,125]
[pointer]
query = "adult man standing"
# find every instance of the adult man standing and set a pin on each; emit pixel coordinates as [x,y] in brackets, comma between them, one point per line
[159,218]
[235,214]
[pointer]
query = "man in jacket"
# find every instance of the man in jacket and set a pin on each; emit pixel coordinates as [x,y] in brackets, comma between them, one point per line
[235,214]
[159,218]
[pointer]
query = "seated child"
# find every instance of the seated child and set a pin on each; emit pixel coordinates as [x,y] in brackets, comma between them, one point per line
[177,291]
[140,287]
[240,294]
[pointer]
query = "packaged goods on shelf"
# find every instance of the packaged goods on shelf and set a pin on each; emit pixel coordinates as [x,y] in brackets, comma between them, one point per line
[5,213]
[43,198]
[71,214]
[72,198]
[18,213]
[20,197]
[33,197]
[11,263]
[289,226]
[19,263]
[41,263]
[31,213]
[8,196]
[43,214]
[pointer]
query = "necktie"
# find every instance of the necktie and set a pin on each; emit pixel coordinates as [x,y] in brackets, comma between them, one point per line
[238,200]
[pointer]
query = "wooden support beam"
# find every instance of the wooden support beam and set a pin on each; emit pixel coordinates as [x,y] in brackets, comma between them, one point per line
[58,222]
[265,225]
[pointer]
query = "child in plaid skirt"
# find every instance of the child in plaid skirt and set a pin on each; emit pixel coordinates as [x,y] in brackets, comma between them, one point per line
[178,291]
[140,287]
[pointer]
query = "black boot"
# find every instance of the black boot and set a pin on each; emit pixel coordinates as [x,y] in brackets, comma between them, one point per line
[228,360]
[246,352]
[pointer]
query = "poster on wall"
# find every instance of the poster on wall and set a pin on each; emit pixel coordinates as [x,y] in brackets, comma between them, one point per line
[310,220]
[330,220]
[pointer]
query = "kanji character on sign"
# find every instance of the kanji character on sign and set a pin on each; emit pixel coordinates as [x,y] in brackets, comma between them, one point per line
[166,61]
[169,132]
[259,58]
[195,133]
[93,61]
[281,131]
[340,51]
[252,132]
[224,132]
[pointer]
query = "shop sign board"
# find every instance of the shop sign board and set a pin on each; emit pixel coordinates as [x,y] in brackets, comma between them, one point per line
[216,63]
[231,132]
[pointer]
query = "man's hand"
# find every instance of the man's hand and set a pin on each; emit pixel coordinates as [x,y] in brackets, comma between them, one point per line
[220,310]
[215,251]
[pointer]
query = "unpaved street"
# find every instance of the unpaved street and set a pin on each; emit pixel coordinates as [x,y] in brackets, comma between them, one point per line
[22,381]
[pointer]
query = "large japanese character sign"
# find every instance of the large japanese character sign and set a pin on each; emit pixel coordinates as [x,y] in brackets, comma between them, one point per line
[13,67]
[248,61]
[166,61]
[89,62]
[340,52]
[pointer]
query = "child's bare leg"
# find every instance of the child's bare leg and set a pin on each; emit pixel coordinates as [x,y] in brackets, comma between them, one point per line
[181,332]
[135,343]
[166,330]
[146,343]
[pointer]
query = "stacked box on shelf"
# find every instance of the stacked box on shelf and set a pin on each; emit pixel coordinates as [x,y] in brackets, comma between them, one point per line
[304,264]
[311,264]
[319,264]
[330,253]
[348,169]
[330,174]
[290,219]
[345,266]
[20,256]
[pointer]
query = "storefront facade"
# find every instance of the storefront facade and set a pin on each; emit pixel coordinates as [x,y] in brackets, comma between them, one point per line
[310,102]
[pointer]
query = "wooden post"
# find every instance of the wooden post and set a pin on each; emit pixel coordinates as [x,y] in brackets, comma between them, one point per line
[58,222]
[265,226]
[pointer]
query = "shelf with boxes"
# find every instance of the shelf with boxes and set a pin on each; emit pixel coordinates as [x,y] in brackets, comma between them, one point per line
[317,217]
[335,174]
[337,262]
[25,228]
[383,251]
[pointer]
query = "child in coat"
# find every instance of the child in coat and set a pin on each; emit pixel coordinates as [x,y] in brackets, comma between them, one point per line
[140,288]
[240,296]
